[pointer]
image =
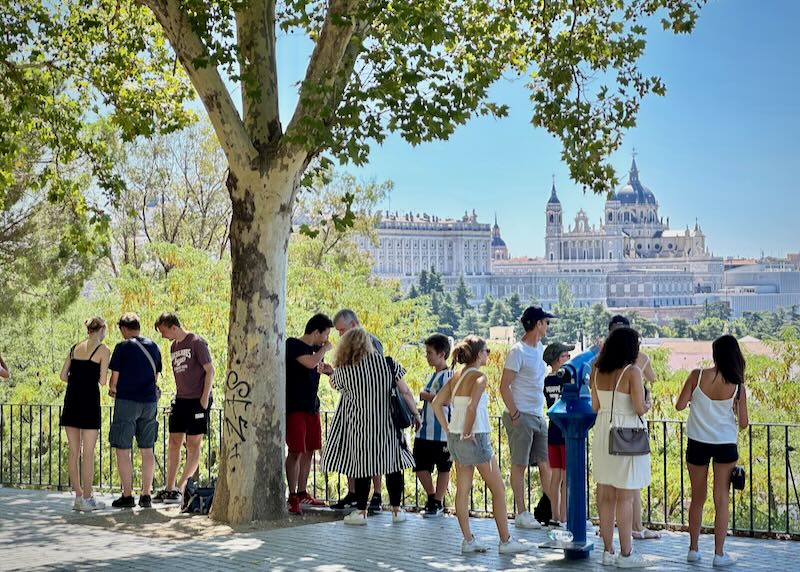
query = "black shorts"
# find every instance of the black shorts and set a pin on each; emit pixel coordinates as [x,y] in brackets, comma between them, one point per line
[188,416]
[428,453]
[698,453]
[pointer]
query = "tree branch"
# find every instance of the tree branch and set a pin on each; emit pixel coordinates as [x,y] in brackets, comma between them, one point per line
[330,68]
[255,27]
[207,81]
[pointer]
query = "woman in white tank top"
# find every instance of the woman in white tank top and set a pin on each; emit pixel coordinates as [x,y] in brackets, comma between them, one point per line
[470,446]
[717,396]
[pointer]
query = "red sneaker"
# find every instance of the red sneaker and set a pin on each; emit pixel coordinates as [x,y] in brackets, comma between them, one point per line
[308,500]
[294,505]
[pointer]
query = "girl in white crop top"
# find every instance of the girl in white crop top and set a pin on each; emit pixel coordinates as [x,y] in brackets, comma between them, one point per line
[717,396]
[468,440]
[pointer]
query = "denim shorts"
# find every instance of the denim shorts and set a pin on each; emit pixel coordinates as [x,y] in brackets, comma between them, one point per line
[132,418]
[470,452]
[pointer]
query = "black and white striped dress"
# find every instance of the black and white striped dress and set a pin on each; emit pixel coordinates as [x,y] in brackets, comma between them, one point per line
[362,441]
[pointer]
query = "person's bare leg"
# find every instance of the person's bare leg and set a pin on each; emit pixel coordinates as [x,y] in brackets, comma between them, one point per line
[494,481]
[376,484]
[624,508]
[292,471]
[442,480]
[463,487]
[73,459]
[722,486]
[518,486]
[304,470]
[545,474]
[606,506]
[193,443]
[125,470]
[554,494]
[698,477]
[174,458]
[148,470]
[426,480]
[89,438]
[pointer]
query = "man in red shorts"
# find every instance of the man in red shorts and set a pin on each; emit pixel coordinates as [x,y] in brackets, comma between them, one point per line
[303,429]
[555,355]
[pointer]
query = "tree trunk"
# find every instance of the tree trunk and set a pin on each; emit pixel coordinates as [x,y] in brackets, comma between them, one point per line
[251,483]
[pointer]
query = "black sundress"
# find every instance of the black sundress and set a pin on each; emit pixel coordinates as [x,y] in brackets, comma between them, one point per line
[82,400]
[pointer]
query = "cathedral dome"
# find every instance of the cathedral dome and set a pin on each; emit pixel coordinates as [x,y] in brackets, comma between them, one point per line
[498,242]
[635,192]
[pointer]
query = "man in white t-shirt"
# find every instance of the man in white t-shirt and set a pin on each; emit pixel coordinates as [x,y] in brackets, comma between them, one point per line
[522,389]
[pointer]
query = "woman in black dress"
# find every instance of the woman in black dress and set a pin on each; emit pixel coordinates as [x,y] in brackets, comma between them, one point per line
[84,371]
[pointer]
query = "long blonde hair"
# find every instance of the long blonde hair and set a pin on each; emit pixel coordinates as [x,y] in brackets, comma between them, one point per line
[352,347]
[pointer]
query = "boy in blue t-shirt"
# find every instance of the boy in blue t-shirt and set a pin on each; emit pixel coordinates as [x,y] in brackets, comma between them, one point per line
[430,446]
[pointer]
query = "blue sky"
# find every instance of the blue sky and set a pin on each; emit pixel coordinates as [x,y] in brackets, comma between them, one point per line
[719,147]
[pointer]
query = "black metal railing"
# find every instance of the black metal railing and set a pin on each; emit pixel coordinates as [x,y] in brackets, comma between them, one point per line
[33,453]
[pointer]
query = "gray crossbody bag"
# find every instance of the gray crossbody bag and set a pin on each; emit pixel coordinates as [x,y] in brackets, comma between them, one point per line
[627,441]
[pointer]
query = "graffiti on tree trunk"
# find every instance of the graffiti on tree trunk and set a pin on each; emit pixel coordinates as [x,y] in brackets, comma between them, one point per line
[236,404]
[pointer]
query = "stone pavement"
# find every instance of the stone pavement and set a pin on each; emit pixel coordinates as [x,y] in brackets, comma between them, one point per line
[38,532]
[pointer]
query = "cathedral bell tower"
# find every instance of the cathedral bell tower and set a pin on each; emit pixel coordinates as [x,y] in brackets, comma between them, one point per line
[553,227]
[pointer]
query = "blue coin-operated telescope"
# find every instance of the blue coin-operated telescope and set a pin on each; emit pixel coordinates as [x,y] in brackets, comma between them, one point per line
[573,414]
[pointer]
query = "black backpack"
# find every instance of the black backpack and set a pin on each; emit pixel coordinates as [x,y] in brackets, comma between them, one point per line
[543,511]
[197,499]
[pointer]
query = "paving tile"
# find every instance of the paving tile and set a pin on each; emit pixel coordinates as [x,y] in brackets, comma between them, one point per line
[38,532]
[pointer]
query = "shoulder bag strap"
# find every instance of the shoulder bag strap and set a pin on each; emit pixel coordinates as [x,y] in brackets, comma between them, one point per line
[147,355]
[614,392]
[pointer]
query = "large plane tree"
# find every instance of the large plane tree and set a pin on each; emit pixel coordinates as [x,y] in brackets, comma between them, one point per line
[417,68]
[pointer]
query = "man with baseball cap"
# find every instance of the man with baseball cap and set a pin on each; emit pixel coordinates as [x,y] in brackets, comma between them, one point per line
[522,389]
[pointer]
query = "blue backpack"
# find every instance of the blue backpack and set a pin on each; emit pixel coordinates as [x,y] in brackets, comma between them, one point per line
[198,499]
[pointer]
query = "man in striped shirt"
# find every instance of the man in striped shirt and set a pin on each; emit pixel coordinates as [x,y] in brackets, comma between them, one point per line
[430,446]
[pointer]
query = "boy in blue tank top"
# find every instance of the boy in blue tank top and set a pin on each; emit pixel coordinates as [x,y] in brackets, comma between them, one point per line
[430,446]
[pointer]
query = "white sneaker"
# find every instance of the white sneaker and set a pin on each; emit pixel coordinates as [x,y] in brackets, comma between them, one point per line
[474,545]
[633,560]
[90,504]
[589,526]
[693,556]
[513,546]
[399,516]
[526,520]
[723,560]
[356,518]
[609,558]
[77,504]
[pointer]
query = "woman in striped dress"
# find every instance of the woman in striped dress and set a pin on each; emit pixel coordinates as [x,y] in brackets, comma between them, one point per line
[363,440]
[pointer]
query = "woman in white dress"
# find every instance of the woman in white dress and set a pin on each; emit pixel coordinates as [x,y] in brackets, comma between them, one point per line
[363,440]
[614,376]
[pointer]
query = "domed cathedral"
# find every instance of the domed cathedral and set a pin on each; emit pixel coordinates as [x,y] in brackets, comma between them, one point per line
[499,248]
[631,229]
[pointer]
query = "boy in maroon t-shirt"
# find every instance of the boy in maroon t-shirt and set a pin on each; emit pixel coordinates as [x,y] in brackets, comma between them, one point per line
[189,415]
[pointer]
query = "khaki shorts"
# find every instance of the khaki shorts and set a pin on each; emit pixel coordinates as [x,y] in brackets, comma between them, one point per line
[527,441]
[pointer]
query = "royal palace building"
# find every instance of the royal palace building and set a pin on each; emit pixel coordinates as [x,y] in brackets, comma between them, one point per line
[632,258]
